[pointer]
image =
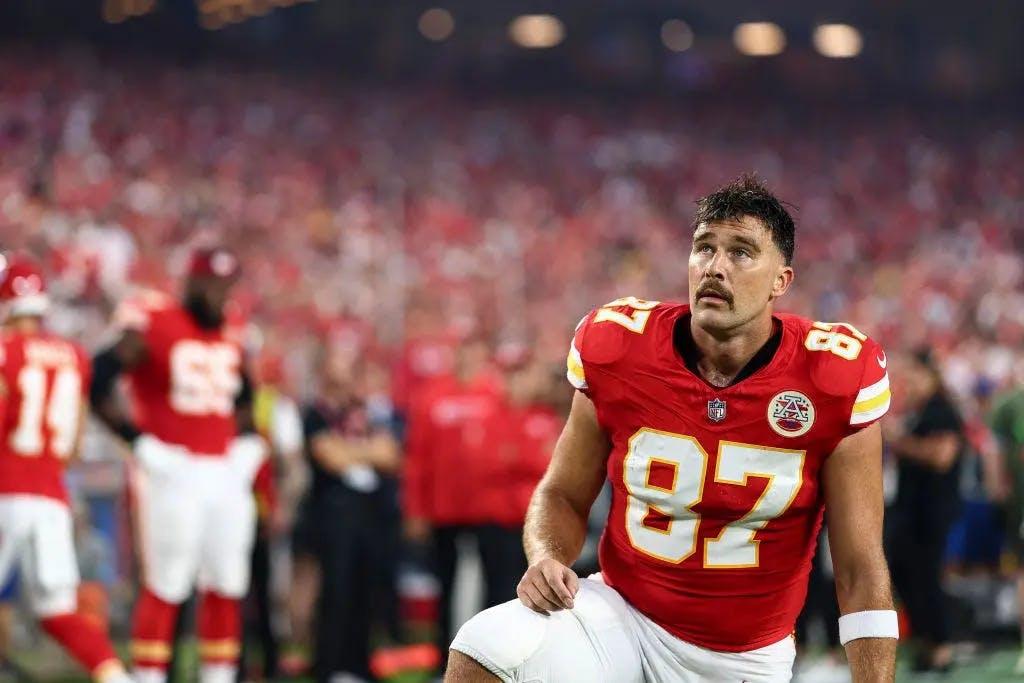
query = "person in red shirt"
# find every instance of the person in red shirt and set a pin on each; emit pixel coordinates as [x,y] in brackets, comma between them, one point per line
[453,482]
[725,430]
[44,380]
[196,455]
[525,431]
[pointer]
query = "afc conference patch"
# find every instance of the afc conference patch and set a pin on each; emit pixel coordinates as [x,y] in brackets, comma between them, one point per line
[716,410]
[790,413]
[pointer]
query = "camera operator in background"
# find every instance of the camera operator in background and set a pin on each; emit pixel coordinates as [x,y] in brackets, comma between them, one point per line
[350,455]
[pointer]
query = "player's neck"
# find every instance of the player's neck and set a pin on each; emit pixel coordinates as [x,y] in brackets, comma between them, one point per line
[723,356]
[23,325]
[201,316]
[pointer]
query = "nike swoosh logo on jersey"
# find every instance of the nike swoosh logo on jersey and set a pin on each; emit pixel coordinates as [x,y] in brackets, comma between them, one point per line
[882,360]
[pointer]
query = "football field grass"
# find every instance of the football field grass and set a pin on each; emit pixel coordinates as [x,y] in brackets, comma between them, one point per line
[49,665]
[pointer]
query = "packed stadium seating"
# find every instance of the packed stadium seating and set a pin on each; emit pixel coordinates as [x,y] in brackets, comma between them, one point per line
[368,216]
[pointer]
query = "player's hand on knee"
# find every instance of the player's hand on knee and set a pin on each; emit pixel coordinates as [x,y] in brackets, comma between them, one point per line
[548,586]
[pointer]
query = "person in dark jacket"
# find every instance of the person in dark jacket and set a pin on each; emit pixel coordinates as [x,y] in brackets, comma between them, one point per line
[927,440]
[351,455]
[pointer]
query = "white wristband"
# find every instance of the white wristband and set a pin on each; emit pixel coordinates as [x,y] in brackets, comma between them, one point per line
[877,623]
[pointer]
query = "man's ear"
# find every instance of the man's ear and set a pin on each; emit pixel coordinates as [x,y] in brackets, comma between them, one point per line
[783,280]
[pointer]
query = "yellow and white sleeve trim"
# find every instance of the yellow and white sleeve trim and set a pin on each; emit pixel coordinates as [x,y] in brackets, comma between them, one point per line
[574,368]
[872,402]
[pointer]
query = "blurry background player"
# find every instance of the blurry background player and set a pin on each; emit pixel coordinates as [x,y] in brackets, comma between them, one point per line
[1007,422]
[277,419]
[196,459]
[927,439]
[44,380]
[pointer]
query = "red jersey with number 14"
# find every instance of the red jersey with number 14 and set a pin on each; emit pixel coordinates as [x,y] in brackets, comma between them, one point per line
[184,390]
[716,497]
[45,381]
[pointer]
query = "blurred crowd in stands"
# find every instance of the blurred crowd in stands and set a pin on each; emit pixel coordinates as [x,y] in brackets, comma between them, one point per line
[384,229]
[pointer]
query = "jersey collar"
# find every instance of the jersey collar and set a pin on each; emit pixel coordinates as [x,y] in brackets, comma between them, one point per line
[686,351]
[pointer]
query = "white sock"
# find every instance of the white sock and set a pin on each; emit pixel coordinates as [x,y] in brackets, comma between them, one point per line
[217,673]
[149,674]
[111,672]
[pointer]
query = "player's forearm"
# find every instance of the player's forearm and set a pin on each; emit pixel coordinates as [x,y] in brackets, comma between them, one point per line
[554,528]
[330,452]
[872,660]
[107,367]
[116,421]
[865,585]
[861,588]
[383,453]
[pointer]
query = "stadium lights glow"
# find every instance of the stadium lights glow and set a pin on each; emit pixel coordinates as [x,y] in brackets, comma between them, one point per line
[838,41]
[436,24]
[677,35]
[759,39]
[536,31]
[212,21]
[116,11]
[216,14]
[258,8]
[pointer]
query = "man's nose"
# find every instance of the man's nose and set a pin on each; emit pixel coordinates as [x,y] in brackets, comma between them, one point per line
[715,266]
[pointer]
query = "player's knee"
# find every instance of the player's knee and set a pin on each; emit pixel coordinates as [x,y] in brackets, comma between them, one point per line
[170,587]
[502,638]
[464,669]
[230,580]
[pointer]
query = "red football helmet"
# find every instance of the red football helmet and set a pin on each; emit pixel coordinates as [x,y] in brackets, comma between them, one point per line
[22,287]
[213,262]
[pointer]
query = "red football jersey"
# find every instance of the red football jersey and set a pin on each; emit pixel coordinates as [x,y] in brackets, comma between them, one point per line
[45,384]
[716,498]
[184,391]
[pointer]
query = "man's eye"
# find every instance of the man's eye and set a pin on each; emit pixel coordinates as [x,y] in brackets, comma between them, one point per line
[704,249]
[743,253]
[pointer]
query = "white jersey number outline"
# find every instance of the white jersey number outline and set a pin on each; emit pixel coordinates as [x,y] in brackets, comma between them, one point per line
[62,408]
[736,546]
[204,377]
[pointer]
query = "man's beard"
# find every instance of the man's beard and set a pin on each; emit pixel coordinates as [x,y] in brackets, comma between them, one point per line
[202,314]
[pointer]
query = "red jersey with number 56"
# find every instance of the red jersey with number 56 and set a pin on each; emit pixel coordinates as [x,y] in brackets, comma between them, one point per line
[717,502]
[45,382]
[184,391]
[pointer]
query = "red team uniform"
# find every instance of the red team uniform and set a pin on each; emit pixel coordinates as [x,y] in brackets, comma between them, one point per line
[44,384]
[716,502]
[47,380]
[193,487]
[184,393]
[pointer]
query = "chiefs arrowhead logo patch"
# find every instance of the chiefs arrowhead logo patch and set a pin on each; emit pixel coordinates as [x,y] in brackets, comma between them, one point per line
[790,414]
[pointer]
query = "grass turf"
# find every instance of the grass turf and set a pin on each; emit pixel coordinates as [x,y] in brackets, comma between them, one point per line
[46,664]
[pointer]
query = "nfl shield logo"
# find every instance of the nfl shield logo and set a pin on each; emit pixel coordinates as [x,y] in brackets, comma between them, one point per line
[716,410]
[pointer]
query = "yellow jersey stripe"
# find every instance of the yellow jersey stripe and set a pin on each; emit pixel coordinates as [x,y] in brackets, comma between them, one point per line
[872,403]
[574,369]
[869,415]
[876,389]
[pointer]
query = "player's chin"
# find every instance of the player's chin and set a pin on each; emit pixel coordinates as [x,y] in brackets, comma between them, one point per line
[713,316]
